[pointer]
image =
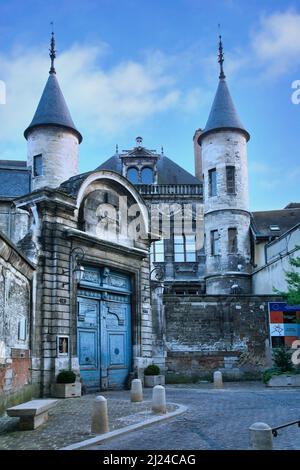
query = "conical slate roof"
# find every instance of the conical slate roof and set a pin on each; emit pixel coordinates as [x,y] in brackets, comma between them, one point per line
[223,114]
[52,109]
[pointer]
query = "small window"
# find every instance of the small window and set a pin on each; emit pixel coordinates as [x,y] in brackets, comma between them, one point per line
[274,228]
[37,165]
[185,248]
[214,242]
[232,240]
[230,179]
[133,175]
[22,327]
[147,176]
[212,182]
[157,251]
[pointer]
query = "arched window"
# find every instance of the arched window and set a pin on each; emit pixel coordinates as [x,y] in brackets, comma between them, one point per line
[147,176]
[133,175]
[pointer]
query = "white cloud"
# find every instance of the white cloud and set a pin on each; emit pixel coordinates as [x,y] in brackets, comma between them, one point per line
[275,43]
[103,101]
[273,49]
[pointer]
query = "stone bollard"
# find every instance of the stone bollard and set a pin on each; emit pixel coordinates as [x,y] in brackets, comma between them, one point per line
[159,400]
[218,380]
[261,437]
[100,416]
[136,393]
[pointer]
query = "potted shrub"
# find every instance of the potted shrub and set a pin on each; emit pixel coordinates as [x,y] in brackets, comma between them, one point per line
[284,373]
[66,385]
[152,376]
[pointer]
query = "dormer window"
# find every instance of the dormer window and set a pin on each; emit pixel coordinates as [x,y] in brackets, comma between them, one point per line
[147,176]
[37,165]
[133,175]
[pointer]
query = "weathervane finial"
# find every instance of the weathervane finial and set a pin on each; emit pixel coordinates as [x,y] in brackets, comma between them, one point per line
[52,51]
[221,57]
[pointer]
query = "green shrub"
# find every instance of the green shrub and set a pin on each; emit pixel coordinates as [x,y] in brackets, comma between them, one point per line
[66,377]
[269,373]
[283,358]
[152,369]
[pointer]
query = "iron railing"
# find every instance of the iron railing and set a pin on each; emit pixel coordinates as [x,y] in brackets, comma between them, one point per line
[274,430]
[169,189]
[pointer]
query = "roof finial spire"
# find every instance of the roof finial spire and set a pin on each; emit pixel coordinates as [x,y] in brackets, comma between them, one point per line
[221,56]
[52,51]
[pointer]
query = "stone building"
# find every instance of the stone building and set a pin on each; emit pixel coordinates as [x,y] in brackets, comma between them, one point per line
[139,261]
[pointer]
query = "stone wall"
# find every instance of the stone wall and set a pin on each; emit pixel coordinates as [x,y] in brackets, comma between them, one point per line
[15,323]
[58,233]
[206,333]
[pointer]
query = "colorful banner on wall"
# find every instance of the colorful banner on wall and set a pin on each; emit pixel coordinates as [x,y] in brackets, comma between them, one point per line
[284,323]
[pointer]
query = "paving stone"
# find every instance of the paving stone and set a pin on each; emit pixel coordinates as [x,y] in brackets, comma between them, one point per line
[70,422]
[215,419]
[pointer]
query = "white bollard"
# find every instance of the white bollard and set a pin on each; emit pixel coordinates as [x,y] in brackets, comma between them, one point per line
[100,416]
[261,437]
[218,380]
[136,393]
[159,400]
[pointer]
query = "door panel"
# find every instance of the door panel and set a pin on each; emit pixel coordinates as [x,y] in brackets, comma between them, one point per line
[117,343]
[117,348]
[87,348]
[88,342]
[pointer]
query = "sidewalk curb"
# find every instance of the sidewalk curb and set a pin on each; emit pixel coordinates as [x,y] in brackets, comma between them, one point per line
[133,427]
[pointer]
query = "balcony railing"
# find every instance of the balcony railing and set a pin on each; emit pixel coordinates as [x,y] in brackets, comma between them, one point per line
[169,189]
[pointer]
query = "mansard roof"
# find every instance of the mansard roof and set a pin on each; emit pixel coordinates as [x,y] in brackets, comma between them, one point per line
[15,179]
[169,172]
[52,109]
[223,114]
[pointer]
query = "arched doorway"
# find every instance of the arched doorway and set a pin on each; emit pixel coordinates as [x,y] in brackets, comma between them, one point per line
[104,328]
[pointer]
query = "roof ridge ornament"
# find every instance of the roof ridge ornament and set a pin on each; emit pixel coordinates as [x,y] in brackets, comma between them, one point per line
[221,58]
[52,51]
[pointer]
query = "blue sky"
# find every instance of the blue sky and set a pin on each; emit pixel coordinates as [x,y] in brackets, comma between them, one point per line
[141,67]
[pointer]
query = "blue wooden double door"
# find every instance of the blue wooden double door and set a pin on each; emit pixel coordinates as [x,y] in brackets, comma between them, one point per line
[104,333]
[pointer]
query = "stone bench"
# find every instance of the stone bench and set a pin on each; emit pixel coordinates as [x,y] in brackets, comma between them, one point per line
[31,413]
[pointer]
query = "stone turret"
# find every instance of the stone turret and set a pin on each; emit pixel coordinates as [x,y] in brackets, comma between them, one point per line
[226,217]
[52,137]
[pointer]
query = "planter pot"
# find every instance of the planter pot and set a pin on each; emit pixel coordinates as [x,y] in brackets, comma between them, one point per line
[66,390]
[284,380]
[152,380]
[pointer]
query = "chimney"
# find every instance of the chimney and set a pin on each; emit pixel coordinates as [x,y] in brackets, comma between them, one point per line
[198,155]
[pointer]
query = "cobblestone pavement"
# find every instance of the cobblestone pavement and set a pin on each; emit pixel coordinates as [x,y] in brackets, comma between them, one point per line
[69,422]
[217,419]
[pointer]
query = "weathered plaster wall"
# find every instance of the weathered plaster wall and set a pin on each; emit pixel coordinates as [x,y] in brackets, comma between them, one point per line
[222,332]
[15,321]
[59,149]
[220,149]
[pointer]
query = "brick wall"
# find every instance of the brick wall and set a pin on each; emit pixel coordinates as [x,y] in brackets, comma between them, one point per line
[216,332]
